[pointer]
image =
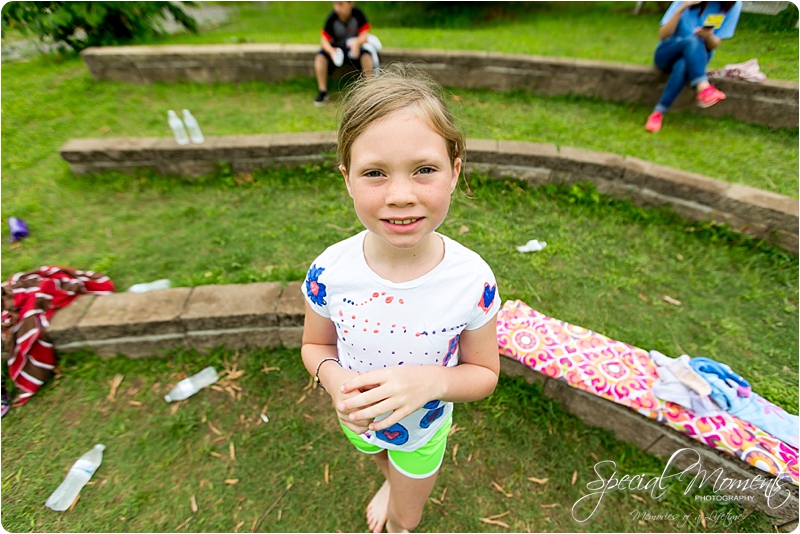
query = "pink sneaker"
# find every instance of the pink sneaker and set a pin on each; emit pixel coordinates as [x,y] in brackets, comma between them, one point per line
[654,122]
[709,96]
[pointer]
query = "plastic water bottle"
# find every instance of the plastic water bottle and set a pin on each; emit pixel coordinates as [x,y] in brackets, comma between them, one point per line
[150,286]
[189,386]
[19,229]
[79,474]
[194,129]
[177,128]
[338,57]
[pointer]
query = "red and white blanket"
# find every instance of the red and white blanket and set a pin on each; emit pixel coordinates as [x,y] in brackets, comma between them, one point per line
[29,301]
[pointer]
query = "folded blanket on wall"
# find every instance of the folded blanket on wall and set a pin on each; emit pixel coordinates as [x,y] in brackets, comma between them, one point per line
[625,374]
[29,301]
[732,392]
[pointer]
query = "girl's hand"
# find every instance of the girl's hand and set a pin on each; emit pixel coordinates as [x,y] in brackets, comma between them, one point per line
[336,379]
[399,390]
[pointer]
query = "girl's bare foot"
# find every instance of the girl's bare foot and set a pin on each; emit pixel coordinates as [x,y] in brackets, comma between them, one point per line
[378,509]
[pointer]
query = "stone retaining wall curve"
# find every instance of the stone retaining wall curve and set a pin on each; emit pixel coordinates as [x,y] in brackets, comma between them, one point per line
[754,212]
[772,103]
[267,315]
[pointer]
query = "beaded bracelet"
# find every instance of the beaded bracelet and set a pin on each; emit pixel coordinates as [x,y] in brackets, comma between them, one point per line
[316,375]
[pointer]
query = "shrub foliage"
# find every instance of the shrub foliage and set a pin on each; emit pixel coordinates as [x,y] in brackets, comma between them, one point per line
[102,23]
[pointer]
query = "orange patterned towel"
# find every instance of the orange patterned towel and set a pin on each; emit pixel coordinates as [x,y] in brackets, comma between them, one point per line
[625,374]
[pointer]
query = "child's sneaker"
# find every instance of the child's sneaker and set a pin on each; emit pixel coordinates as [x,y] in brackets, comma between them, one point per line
[322,97]
[709,96]
[654,122]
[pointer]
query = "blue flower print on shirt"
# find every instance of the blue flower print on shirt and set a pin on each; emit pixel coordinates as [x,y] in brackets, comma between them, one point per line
[396,434]
[431,405]
[485,303]
[315,290]
[431,416]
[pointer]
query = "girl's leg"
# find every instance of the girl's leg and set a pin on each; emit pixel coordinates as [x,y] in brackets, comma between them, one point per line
[685,59]
[407,498]
[378,507]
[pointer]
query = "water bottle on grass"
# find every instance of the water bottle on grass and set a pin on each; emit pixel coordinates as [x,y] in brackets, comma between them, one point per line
[189,386]
[79,474]
[194,129]
[177,128]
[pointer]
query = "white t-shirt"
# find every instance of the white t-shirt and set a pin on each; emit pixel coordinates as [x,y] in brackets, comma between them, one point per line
[380,323]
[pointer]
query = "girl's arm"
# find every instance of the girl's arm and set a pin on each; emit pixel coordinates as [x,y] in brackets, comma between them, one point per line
[708,37]
[319,342]
[669,27]
[404,389]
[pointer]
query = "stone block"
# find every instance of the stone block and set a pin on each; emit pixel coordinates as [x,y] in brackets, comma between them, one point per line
[524,154]
[233,339]
[601,164]
[481,150]
[674,182]
[64,324]
[762,206]
[512,367]
[291,337]
[169,151]
[534,176]
[139,347]
[135,314]
[626,424]
[789,242]
[186,168]
[219,307]
[291,305]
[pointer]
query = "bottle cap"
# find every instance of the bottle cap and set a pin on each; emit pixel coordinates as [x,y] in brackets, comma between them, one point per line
[100,446]
[167,398]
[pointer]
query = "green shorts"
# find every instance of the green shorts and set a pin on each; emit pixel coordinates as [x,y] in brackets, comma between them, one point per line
[420,463]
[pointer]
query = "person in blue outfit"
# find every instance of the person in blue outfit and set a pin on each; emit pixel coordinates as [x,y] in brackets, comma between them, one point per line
[689,33]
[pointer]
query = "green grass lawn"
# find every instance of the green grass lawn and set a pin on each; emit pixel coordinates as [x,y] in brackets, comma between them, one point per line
[157,459]
[606,267]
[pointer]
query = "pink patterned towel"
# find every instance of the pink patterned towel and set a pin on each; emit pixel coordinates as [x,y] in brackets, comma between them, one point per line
[625,374]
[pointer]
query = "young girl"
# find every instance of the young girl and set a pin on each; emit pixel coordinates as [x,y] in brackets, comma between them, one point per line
[689,33]
[400,320]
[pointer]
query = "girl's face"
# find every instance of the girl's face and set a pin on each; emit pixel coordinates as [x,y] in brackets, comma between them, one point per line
[400,179]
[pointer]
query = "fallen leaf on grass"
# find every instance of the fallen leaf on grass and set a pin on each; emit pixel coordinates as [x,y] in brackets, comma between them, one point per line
[538,480]
[574,477]
[238,526]
[499,488]
[216,388]
[174,408]
[232,451]
[643,298]
[638,498]
[183,524]
[494,522]
[549,505]
[453,429]
[670,300]
[455,451]
[267,370]
[115,382]
[214,429]
[593,456]
[16,244]
[72,506]
[703,519]
[679,256]
[216,454]
[434,500]
[498,516]
[193,504]
[444,492]
[327,470]
[301,399]
[104,129]
[463,230]
[456,98]
[231,481]
[134,403]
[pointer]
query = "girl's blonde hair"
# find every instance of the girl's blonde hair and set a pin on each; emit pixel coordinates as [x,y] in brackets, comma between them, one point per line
[397,87]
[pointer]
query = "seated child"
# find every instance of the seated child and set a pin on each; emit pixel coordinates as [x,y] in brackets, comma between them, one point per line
[343,38]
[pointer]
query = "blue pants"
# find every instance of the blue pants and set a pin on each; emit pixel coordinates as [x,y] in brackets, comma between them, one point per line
[685,59]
